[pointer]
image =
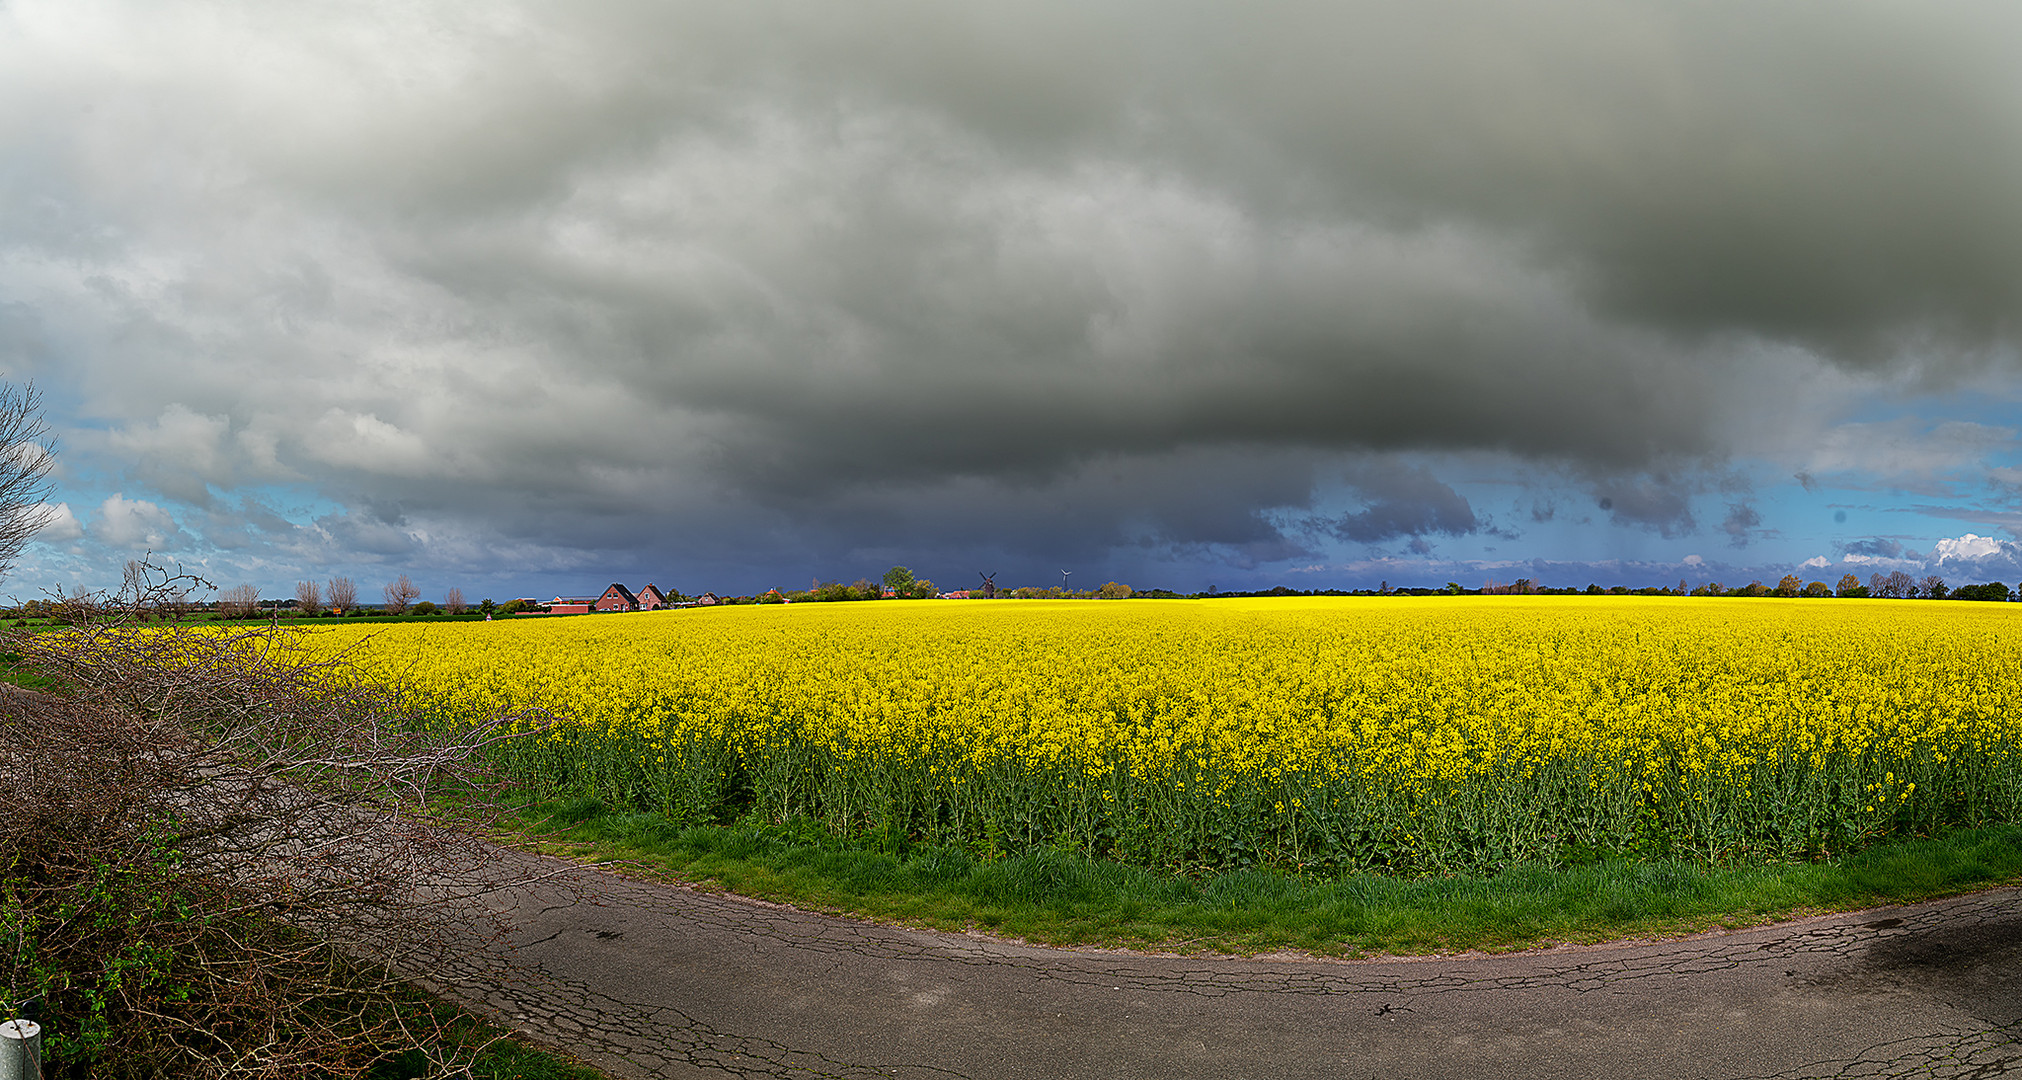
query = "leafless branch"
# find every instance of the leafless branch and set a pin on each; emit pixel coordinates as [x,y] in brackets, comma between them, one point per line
[225,824]
[26,456]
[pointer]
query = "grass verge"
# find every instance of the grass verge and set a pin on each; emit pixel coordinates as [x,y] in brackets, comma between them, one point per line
[502,1056]
[1064,898]
[15,673]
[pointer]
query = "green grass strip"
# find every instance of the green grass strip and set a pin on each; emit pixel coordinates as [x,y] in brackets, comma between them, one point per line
[1064,898]
[499,1055]
[16,673]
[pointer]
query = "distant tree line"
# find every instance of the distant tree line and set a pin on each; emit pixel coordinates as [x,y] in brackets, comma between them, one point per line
[339,596]
[1896,585]
[899,583]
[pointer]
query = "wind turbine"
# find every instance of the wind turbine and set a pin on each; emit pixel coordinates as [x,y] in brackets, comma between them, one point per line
[1063,579]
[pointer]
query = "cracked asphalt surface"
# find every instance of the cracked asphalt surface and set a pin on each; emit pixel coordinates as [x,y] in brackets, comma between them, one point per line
[650,980]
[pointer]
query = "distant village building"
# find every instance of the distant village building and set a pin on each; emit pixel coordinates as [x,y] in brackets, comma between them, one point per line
[707,599]
[616,598]
[619,598]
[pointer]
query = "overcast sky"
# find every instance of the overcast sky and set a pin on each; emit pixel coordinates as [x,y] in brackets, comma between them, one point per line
[527,300]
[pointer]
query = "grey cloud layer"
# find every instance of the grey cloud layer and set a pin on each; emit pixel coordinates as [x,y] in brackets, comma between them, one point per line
[847,273]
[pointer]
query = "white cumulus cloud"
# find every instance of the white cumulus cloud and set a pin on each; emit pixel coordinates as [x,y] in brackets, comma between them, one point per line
[1970,548]
[135,524]
[59,525]
[1977,557]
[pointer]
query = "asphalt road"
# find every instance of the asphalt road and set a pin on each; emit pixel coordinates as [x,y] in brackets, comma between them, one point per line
[650,980]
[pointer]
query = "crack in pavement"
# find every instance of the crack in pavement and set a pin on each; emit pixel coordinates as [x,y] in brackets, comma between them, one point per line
[666,981]
[1960,1053]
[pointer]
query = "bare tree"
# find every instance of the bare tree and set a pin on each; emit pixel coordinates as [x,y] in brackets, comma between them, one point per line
[399,594]
[73,608]
[452,602]
[1896,586]
[308,598]
[168,594]
[1933,588]
[343,594]
[239,601]
[26,456]
[174,600]
[204,874]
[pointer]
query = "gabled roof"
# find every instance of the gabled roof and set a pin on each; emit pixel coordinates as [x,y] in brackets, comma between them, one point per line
[622,591]
[655,591]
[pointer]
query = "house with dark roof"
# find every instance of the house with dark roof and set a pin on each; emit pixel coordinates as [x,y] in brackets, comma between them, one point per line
[616,598]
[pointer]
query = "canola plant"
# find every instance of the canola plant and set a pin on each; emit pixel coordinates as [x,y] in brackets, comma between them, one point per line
[1408,734]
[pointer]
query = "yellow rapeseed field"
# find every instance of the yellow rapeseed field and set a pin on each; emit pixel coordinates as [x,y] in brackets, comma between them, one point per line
[1413,734]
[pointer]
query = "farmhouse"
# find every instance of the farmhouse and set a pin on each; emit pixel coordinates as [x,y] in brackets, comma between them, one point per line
[620,598]
[615,598]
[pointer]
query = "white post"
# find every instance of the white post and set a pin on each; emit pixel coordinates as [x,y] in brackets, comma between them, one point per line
[20,1050]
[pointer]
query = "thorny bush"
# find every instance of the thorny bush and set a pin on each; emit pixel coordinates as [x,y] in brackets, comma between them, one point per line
[205,867]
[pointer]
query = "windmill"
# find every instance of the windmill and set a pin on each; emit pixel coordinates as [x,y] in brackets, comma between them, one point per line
[989,583]
[1063,579]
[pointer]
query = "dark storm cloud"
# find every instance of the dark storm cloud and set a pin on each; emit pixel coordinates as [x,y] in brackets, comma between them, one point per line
[1879,547]
[1404,502]
[801,279]
[1846,178]
[1659,503]
[1197,506]
[1740,524]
